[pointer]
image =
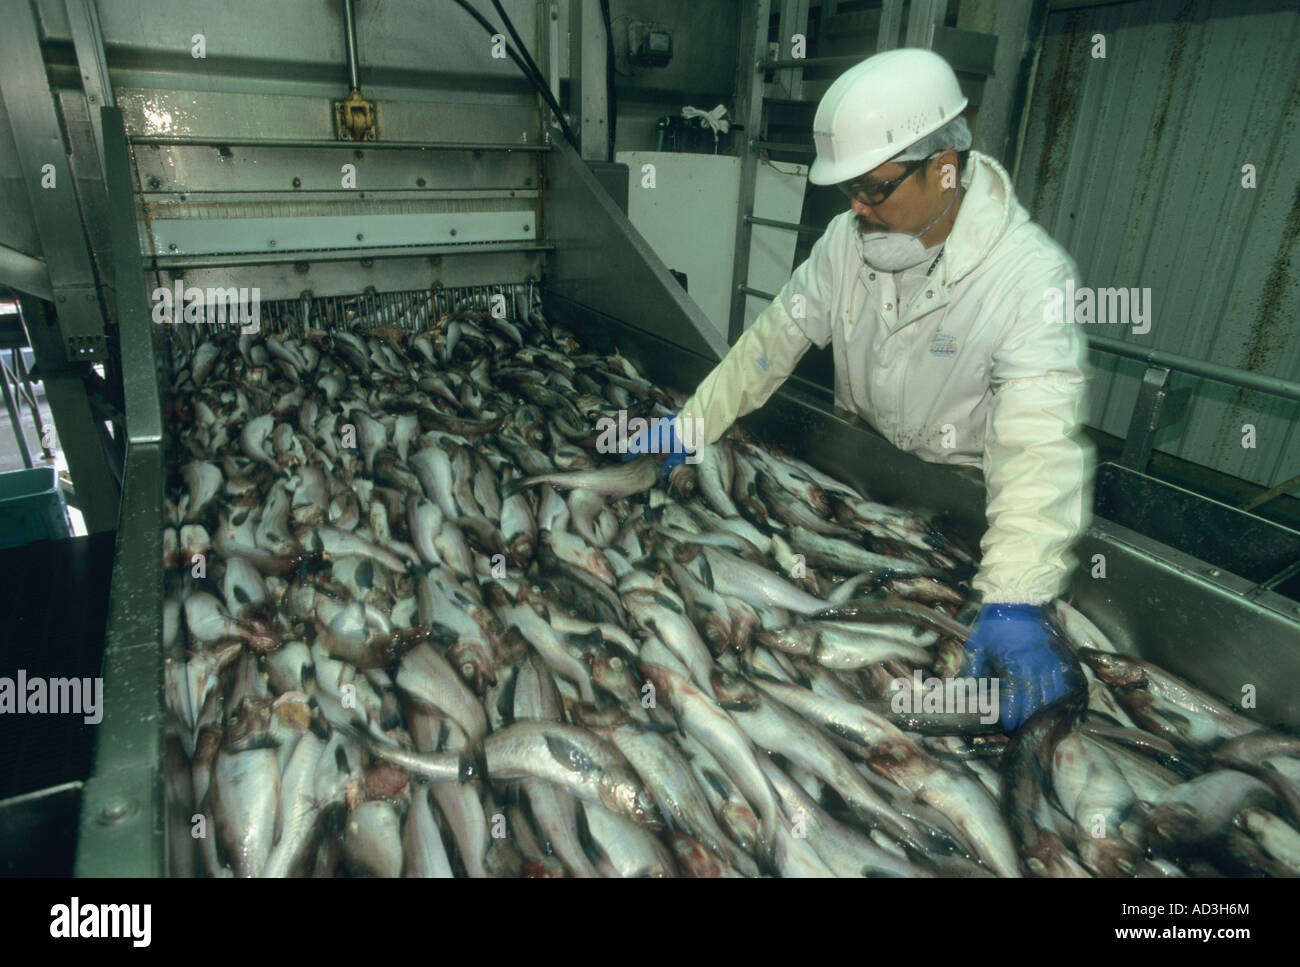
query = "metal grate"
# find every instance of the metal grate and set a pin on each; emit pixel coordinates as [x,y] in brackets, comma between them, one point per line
[411,310]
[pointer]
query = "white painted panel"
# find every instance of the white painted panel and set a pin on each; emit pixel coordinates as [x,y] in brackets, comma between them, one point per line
[689,219]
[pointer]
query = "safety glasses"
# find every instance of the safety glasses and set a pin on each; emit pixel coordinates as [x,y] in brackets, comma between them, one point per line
[875,194]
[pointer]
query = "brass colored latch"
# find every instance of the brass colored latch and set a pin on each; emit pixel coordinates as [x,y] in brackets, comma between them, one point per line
[354,119]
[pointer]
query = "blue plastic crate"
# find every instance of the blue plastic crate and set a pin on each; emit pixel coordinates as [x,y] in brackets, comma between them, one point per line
[32,507]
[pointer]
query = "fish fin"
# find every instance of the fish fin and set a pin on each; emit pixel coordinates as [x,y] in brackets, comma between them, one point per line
[517,486]
[706,571]
[441,635]
[660,728]
[716,781]
[357,735]
[586,639]
[473,762]
[667,603]
[739,705]
[765,857]
[569,755]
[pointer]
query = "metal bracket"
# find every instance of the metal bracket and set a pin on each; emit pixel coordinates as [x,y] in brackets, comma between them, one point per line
[88,41]
[355,119]
[1147,418]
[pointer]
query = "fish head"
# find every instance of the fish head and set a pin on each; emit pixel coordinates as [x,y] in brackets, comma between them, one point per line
[741,823]
[693,858]
[1174,824]
[683,481]
[511,647]
[495,595]
[660,677]
[249,726]
[1114,670]
[610,672]
[474,666]
[1048,856]
[522,548]
[1110,857]
[621,792]
[733,692]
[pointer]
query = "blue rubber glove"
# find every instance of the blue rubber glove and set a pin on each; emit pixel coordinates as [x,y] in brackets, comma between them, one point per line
[660,437]
[1014,643]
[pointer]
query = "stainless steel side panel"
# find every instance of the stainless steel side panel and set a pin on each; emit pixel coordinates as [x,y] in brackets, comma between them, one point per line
[1171,608]
[121,808]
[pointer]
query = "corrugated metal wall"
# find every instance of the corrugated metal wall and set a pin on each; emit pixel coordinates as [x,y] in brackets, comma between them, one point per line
[1134,163]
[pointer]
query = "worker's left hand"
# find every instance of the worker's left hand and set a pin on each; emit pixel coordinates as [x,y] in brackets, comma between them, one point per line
[1015,643]
[658,436]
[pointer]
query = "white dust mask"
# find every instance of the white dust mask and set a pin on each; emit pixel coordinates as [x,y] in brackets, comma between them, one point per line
[896,251]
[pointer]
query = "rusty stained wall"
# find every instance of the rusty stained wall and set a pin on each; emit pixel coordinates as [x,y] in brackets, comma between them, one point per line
[1134,163]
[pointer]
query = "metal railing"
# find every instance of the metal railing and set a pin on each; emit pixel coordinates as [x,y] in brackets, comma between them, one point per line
[1198,367]
[1157,406]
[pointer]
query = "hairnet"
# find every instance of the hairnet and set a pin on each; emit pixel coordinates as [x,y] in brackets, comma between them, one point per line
[955,134]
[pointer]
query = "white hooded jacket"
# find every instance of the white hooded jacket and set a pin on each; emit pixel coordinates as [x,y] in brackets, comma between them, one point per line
[970,372]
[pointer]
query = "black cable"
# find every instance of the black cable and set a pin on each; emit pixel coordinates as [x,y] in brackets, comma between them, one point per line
[540,86]
[539,81]
[523,49]
[610,101]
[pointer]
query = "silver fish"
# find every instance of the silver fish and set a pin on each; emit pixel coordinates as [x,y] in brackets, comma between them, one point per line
[245,799]
[623,480]
[423,854]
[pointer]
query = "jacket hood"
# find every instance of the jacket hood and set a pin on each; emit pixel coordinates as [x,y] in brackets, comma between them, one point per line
[988,212]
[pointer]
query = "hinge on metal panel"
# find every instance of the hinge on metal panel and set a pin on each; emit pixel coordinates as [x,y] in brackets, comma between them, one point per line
[355,120]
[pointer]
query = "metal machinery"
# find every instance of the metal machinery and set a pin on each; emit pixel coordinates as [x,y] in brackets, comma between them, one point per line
[475,193]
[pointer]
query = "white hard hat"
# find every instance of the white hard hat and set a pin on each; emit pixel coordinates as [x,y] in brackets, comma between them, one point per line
[877,108]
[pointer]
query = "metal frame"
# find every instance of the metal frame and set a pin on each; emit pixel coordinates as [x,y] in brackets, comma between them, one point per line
[792,19]
[39,141]
[17,391]
[749,107]
[922,16]
[65,340]
[88,41]
[588,102]
[1152,410]
[122,823]
[891,21]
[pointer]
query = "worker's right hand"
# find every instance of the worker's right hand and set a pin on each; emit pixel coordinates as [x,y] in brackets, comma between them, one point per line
[658,436]
[1015,643]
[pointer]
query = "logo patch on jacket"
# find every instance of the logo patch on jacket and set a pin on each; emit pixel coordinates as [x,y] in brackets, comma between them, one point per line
[942,344]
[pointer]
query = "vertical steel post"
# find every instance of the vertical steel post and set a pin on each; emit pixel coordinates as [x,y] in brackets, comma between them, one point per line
[749,108]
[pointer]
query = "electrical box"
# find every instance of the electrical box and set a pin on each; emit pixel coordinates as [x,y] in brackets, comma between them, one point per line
[649,44]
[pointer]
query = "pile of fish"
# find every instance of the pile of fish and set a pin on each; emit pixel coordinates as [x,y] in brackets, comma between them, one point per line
[419,623]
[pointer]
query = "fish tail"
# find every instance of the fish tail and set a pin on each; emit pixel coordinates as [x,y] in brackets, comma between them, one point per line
[518,486]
